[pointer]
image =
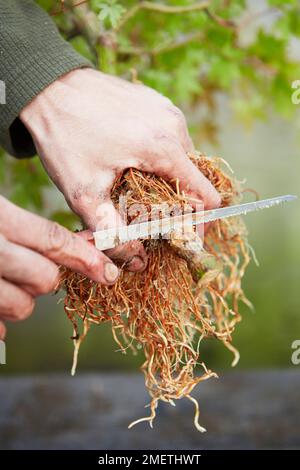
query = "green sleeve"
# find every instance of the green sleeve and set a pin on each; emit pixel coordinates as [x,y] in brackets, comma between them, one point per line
[32,55]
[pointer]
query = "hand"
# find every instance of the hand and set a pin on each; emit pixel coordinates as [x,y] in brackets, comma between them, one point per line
[30,250]
[88,127]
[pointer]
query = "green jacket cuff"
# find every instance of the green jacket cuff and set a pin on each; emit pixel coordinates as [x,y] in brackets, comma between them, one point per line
[32,56]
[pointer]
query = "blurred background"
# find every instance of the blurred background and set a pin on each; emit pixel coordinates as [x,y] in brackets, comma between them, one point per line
[237,98]
[262,147]
[268,157]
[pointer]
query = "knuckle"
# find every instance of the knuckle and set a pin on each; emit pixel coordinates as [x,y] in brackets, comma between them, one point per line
[81,198]
[213,200]
[179,116]
[93,264]
[56,238]
[163,141]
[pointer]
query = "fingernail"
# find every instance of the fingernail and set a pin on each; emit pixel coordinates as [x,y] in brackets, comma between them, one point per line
[136,264]
[111,272]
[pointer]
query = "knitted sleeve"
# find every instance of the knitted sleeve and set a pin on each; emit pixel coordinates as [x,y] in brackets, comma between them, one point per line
[32,55]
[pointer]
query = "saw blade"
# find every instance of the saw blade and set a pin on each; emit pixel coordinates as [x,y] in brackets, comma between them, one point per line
[112,237]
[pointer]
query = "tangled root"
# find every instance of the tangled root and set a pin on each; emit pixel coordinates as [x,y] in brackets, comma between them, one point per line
[164,310]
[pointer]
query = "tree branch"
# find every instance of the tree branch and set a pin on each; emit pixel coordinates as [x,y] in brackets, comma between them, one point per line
[65,9]
[144,5]
[85,21]
[220,21]
[177,43]
[170,46]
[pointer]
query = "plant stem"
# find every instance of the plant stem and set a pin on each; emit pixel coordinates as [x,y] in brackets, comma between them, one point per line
[65,9]
[167,47]
[177,43]
[144,5]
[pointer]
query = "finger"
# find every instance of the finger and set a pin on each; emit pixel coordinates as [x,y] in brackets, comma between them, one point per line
[181,129]
[2,330]
[134,263]
[35,273]
[132,254]
[15,303]
[86,235]
[187,143]
[55,242]
[99,213]
[175,165]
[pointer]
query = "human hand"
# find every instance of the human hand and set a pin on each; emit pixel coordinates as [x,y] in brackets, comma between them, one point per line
[31,248]
[88,127]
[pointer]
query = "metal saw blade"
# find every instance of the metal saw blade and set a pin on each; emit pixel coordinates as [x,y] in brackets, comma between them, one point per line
[112,237]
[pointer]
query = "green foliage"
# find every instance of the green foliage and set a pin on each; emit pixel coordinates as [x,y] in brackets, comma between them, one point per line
[67,219]
[189,53]
[80,45]
[23,181]
[27,182]
[110,10]
[190,57]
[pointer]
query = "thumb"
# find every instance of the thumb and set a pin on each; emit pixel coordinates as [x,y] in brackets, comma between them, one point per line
[192,181]
[132,254]
[99,213]
[181,170]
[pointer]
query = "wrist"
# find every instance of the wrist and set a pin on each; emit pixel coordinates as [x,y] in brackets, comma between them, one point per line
[49,103]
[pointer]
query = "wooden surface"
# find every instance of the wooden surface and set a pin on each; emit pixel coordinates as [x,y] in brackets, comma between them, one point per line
[241,410]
